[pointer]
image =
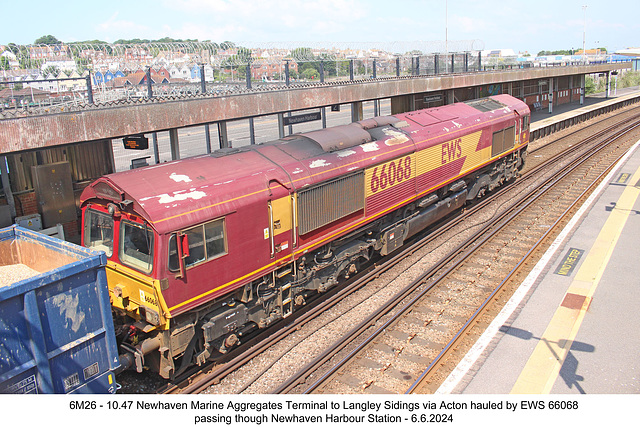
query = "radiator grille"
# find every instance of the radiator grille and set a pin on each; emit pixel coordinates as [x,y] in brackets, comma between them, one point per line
[503,140]
[485,104]
[329,201]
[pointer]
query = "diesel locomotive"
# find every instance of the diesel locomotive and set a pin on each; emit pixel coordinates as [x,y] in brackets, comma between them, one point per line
[204,250]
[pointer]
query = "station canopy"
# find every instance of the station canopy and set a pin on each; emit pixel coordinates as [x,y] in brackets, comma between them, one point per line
[632,51]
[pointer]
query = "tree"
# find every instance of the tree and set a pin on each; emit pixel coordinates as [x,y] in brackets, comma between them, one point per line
[94,41]
[630,78]
[48,40]
[589,85]
[310,74]
[342,67]
[243,56]
[51,69]
[329,67]
[307,61]
[227,45]
[132,41]
[13,48]
[556,52]
[302,54]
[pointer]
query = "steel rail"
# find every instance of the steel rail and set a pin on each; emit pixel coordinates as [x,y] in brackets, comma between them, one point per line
[260,344]
[446,351]
[304,372]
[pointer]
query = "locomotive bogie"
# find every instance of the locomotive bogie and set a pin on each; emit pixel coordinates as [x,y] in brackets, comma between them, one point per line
[232,242]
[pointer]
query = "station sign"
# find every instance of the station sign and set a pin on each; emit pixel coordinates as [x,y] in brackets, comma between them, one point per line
[302,118]
[570,262]
[136,142]
[431,98]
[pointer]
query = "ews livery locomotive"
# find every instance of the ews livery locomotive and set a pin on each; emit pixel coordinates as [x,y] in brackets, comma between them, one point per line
[204,250]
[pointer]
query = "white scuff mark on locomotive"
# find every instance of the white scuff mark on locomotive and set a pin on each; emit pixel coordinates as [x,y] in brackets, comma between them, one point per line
[458,125]
[179,178]
[297,171]
[319,163]
[345,153]
[195,195]
[370,146]
[178,196]
[396,137]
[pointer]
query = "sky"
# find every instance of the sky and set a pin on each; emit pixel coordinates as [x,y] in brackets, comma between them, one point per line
[530,26]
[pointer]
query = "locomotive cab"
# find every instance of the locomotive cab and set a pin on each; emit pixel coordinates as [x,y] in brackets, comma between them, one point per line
[130,245]
[135,238]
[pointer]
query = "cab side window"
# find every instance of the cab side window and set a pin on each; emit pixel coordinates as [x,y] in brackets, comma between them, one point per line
[197,251]
[206,241]
[214,234]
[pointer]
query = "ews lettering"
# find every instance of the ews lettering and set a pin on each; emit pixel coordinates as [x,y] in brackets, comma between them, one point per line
[451,151]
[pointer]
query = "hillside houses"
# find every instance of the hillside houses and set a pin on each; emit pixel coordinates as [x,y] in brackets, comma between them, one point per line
[139,78]
[100,77]
[63,68]
[267,70]
[180,60]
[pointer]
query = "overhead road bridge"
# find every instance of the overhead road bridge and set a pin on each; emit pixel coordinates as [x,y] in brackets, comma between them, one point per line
[110,121]
[80,141]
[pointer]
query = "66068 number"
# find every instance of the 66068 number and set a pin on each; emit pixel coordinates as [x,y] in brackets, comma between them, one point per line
[391,173]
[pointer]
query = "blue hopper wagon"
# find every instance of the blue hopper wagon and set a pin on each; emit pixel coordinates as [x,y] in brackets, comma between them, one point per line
[56,329]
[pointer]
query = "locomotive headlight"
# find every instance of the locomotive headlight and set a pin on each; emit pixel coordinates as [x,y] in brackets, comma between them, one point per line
[113,210]
[150,315]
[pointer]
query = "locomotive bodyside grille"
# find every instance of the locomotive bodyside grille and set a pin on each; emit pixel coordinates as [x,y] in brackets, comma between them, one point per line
[329,201]
[503,140]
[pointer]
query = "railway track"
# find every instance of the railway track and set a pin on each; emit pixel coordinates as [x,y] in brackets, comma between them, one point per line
[441,312]
[442,318]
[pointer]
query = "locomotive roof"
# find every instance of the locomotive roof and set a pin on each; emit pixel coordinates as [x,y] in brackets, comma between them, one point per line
[182,193]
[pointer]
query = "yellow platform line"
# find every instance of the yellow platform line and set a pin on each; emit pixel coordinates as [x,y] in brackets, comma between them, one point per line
[542,369]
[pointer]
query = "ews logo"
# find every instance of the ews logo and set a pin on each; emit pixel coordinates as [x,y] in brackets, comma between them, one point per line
[451,150]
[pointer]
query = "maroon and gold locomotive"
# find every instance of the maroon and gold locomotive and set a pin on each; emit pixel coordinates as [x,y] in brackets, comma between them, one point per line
[203,250]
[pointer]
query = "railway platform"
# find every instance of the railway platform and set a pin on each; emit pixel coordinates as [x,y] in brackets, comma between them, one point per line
[566,115]
[572,326]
